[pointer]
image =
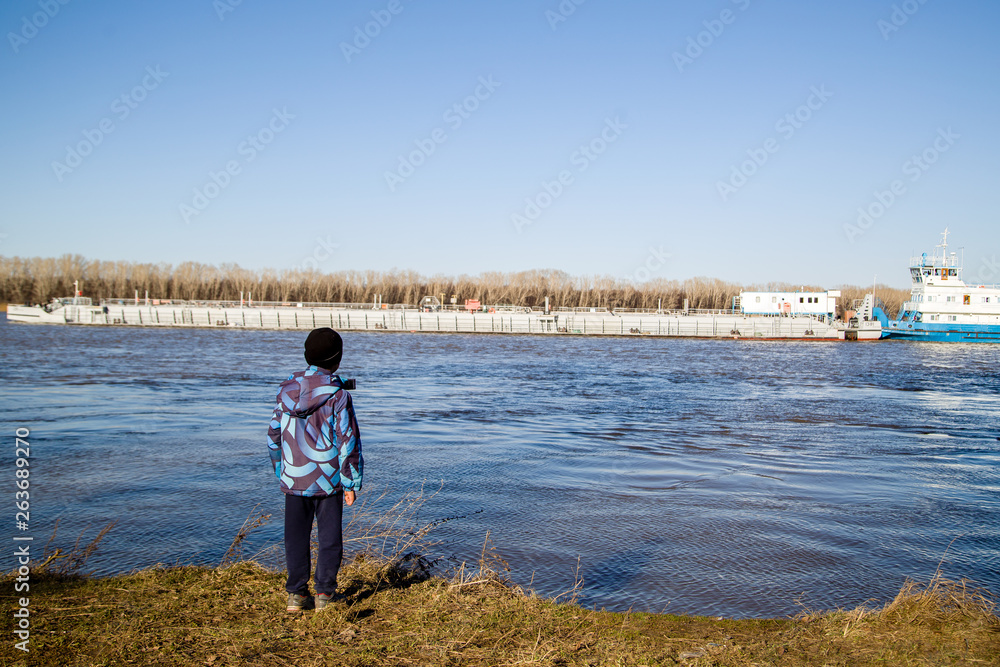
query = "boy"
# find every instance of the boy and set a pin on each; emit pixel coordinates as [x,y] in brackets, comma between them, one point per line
[315,449]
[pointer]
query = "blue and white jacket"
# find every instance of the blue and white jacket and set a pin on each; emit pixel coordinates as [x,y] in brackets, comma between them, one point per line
[313,438]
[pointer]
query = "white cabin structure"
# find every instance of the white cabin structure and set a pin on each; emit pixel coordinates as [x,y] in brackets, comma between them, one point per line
[817,304]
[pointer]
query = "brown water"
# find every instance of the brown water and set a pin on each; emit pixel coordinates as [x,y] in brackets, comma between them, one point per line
[736,478]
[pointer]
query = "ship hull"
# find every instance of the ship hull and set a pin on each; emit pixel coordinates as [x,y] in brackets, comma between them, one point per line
[944,332]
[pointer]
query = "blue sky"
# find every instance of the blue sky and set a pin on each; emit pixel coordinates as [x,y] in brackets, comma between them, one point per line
[739,138]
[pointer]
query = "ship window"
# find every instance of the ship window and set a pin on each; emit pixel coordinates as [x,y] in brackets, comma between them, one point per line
[758,299]
[774,299]
[953,318]
[966,300]
[986,299]
[800,299]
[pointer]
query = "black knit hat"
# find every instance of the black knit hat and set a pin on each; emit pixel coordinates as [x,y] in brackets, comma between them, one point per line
[324,348]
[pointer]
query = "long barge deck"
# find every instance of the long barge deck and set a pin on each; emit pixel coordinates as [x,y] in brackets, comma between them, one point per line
[352,317]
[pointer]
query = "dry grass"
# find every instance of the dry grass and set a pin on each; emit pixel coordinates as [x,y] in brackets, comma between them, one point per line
[235,616]
[395,614]
[939,603]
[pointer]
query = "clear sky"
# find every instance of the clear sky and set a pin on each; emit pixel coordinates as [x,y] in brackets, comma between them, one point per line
[735,139]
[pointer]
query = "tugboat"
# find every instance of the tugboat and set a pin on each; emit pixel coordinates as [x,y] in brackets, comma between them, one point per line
[942,307]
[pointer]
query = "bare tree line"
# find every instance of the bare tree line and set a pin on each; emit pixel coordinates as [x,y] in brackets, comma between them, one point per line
[39,279]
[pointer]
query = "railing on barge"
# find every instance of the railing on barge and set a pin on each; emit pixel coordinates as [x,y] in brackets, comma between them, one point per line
[290,315]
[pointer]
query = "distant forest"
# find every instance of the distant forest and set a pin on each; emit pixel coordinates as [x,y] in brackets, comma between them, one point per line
[40,279]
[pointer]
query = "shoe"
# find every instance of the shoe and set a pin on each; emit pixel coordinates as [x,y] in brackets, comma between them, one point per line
[322,599]
[298,602]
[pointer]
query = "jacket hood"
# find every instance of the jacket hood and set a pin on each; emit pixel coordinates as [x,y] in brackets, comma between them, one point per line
[306,391]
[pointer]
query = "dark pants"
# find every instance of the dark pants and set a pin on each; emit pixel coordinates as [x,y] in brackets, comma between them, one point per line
[299,513]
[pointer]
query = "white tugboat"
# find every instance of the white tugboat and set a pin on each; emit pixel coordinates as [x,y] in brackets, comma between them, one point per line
[942,307]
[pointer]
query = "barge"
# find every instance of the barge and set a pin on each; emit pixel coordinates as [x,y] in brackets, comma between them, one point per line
[79,310]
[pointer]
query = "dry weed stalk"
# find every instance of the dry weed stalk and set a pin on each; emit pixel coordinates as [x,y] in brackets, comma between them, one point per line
[490,571]
[392,533]
[254,520]
[70,563]
[393,537]
[574,592]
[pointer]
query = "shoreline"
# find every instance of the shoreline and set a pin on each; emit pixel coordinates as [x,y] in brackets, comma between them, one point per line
[394,614]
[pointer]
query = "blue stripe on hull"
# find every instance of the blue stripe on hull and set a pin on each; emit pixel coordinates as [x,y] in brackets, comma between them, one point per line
[944,333]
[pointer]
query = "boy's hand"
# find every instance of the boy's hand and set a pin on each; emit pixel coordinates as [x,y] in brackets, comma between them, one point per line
[349,498]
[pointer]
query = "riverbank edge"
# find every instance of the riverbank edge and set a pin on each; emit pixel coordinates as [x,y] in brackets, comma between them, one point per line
[396,614]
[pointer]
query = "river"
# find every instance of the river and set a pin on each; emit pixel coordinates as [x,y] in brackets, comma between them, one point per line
[719,477]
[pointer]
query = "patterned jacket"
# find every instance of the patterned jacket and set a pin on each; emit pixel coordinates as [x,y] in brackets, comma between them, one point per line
[313,437]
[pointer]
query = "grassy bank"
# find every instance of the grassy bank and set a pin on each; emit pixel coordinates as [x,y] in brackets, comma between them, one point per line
[235,615]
